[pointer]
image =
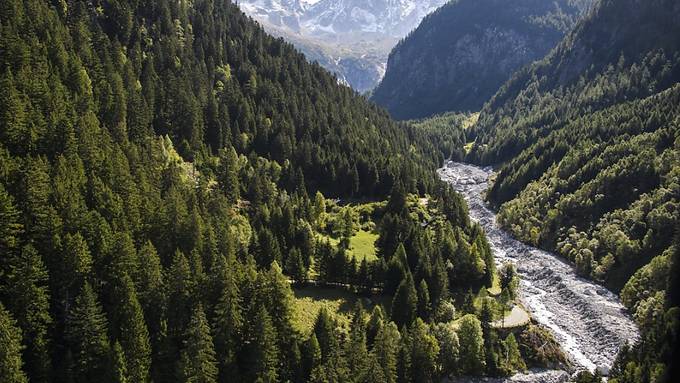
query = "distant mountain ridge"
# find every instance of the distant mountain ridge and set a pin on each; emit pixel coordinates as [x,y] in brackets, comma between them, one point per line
[467,49]
[351,38]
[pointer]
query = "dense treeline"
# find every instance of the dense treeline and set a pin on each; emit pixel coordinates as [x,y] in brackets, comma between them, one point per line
[588,144]
[156,166]
[447,132]
[181,70]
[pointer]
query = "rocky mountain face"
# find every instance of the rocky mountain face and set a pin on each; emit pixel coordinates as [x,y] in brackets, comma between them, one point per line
[351,38]
[461,54]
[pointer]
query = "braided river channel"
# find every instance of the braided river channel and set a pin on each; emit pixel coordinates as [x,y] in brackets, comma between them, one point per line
[587,320]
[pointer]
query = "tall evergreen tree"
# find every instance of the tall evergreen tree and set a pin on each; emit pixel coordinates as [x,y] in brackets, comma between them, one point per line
[86,332]
[356,350]
[424,307]
[471,337]
[424,353]
[386,348]
[118,367]
[10,230]
[263,354]
[11,368]
[30,303]
[197,362]
[227,176]
[405,303]
[131,329]
[311,356]
[324,330]
[227,322]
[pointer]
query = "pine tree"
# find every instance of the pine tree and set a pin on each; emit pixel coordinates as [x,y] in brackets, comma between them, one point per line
[180,289]
[513,358]
[131,329]
[86,332]
[10,230]
[356,351]
[197,361]
[324,330]
[404,365]
[10,349]
[151,288]
[295,266]
[13,117]
[375,323]
[76,265]
[227,322]
[119,371]
[405,303]
[262,351]
[396,270]
[227,176]
[30,302]
[373,372]
[311,356]
[424,352]
[490,338]
[471,338]
[424,307]
[385,349]
[449,348]
[439,285]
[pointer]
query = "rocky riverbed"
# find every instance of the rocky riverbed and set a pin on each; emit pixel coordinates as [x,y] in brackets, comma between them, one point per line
[586,319]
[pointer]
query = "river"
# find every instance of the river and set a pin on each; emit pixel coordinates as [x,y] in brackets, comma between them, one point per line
[586,319]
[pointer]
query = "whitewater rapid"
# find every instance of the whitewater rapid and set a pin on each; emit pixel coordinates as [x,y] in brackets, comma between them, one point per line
[587,320]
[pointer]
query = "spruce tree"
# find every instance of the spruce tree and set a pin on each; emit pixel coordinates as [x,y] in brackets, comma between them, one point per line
[11,369]
[118,366]
[197,361]
[86,332]
[77,264]
[424,353]
[311,356]
[131,329]
[385,348]
[513,357]
[227,322]
[396,270]
[30,303]
[10,230]
[405,303]
[324,330]
[471,338]
[262,351]
[151,289]
[356,350]
[424,307]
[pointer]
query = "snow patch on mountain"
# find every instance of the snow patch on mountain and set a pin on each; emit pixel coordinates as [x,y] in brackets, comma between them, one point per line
[352,38]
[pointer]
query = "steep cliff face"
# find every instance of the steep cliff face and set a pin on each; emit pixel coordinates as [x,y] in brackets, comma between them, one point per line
[461,54]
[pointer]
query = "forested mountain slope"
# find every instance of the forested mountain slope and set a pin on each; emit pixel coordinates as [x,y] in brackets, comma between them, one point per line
[462,53]
[161,174]
[588,142]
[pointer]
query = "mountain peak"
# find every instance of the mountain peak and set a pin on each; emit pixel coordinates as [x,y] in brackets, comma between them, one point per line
[351,38]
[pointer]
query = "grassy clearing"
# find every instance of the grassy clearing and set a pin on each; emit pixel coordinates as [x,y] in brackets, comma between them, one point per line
[362,246]
[309,300]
